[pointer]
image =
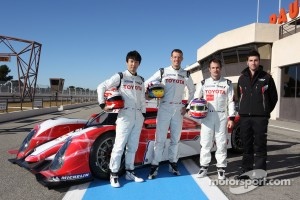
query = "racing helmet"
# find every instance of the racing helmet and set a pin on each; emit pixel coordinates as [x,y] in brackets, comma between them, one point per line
[114,99]
[198,108]
[155,89]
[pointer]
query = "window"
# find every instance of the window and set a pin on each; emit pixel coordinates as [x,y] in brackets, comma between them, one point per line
[230,56]
[298,81]
[291,81]
[243,54]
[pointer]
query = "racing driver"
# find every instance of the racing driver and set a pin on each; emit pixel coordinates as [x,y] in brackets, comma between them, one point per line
[219,95]
[130,118]
[170,111]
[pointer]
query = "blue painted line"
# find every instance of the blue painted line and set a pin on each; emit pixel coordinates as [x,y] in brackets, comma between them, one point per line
[164,186]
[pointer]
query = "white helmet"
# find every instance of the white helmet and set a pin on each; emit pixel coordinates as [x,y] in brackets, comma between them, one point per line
[198,108]
[155,89]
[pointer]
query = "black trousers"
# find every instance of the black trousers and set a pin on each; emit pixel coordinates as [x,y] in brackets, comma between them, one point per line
[254,138]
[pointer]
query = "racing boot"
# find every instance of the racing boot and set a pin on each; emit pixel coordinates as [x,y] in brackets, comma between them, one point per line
[202,172]
[221,173]
[114,180]
[153,172]
[131,176]
[173,168]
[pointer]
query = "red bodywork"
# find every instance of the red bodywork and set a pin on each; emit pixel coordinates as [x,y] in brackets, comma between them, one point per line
[47,131]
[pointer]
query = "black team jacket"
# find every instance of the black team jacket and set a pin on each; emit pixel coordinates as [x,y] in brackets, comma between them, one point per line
[257,96]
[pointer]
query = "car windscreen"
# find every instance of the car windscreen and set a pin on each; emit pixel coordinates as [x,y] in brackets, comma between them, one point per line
[103,118]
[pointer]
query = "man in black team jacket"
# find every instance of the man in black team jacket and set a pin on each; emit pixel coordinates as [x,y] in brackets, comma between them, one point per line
[257,95]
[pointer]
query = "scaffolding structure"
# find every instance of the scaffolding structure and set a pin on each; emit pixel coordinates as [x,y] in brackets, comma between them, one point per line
[27,54]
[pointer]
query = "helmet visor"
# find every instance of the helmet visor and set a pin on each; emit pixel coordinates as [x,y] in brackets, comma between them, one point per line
[115,98]
[198,107]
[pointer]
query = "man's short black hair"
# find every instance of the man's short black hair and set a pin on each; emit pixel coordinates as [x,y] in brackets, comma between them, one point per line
[134,55]
[253,53]
[176,50]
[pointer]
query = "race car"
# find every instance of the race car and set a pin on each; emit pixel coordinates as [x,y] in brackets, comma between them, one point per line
[84,153]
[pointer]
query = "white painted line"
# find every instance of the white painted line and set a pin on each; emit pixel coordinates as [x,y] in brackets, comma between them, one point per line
[210,190]
[76,192]
[289,129]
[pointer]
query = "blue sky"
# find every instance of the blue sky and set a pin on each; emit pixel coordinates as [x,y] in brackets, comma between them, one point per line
[86,41]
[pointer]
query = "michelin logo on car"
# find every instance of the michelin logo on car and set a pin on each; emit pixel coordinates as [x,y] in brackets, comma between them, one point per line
[74,177]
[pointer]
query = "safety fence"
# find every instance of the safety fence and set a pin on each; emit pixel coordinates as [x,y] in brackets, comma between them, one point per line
[13,103]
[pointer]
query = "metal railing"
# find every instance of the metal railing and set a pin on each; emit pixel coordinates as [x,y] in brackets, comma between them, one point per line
[44,97]
[8,88]
[289,28]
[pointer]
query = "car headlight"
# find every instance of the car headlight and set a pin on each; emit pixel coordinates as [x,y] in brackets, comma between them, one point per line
[60,156]
[26,141]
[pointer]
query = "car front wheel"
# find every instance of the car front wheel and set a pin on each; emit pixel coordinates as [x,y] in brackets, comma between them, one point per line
[100,156]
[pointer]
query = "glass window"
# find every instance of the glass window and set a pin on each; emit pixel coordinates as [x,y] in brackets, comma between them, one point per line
[289,81]
[242,54]
[230,56]
[298,81]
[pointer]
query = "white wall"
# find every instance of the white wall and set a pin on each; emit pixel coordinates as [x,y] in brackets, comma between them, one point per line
[256,32]
[284,52]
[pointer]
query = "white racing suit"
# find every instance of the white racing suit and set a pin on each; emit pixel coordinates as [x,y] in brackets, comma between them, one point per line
[130,119]
[169,111]
[220,97]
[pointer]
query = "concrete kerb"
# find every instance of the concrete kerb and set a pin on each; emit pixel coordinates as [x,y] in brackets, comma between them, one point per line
[5,117]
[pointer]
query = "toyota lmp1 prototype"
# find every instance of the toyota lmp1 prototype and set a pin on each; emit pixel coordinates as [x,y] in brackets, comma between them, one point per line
[62,151]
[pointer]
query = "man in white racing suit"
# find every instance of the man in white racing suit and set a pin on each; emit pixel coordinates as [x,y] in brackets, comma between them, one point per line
[130,118]
[170,111]
[219,94]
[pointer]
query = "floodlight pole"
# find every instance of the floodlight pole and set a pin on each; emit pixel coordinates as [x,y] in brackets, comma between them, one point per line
[257,11]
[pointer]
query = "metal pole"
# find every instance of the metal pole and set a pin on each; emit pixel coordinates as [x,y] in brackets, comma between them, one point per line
[279,6]
[257,11]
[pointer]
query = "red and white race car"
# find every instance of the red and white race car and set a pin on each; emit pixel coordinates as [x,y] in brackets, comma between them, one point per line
[67,150]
